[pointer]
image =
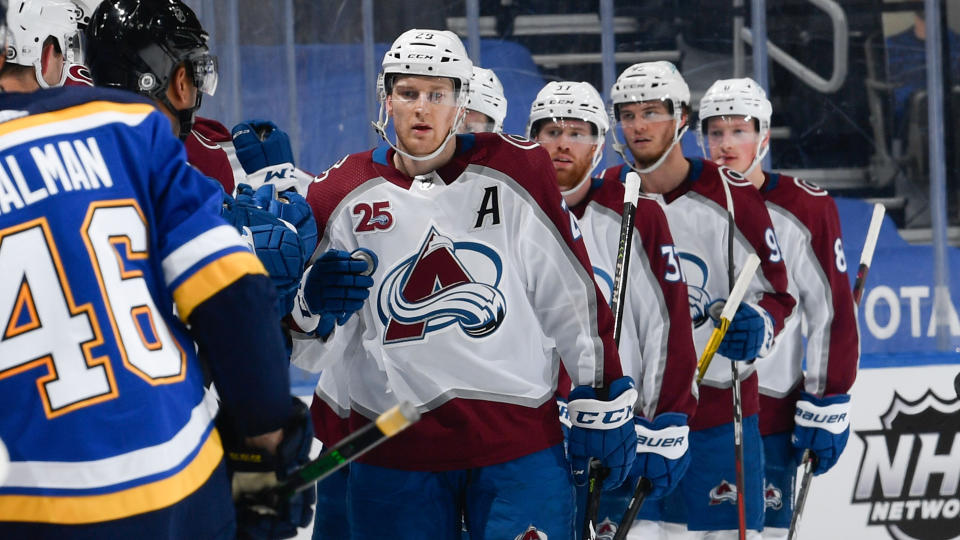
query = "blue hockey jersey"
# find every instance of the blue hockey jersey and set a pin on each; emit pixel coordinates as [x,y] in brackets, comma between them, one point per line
[108,241]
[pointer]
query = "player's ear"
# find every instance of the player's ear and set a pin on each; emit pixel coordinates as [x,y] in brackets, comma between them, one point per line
[179,90]
[388,103]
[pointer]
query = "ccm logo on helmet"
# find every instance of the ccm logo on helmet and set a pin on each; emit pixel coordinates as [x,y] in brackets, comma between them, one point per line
[420,56]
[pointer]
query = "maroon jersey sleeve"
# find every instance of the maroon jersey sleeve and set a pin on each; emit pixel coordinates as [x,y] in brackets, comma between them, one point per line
[753,222]
[676,391]
[530,165]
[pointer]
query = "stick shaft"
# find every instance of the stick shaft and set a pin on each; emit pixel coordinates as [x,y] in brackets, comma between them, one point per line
[596,472]
[866,259]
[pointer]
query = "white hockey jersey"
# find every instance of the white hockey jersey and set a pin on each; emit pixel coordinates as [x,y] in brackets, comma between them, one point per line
[656,345]
[697,213]
[480,277]
[808,230]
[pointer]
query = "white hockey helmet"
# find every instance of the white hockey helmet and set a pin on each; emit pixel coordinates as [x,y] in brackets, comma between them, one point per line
[86,7]
[31,22]
[649,81]
[426,53]
[429,53]
[485,95]
[737,97]
[576,100]
[567,99]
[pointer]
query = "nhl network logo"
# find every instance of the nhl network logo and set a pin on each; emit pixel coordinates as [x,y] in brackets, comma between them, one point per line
[910,470]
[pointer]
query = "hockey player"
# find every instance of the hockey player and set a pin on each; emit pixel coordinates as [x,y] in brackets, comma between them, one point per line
[486,104]
[115,268]
[159,50]
[42,39]
[479,281]
[656,346]
[651,105]
[734,130]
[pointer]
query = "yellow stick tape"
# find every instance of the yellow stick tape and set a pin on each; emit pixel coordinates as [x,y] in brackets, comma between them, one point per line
[393,421]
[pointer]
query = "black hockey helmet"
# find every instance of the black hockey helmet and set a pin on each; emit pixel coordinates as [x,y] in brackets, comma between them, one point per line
[137,45]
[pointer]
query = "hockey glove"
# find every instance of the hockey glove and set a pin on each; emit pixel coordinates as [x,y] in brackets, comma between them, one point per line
[662,456]
[291,207]
[259,144]
[823,426]
[750,334]
[265,154]
[333,289]
[275,242]
[603,430]
[253,469]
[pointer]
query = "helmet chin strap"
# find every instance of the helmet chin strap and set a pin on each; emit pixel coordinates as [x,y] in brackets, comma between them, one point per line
[597,154]
[758,157]
[620,149]
[383,121]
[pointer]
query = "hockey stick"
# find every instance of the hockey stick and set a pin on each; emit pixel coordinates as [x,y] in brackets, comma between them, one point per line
[729,310]
[809,459]
[618,296]
[351,447]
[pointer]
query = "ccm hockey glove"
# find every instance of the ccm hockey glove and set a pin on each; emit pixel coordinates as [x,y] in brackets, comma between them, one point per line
[603,430]
[253,469]
[332,290]
[662,456]
[750,334]
[823,427]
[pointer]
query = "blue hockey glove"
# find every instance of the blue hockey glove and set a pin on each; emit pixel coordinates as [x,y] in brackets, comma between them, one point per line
[254,469]
[275,242]
[259,144]
[750,334]
[265,154]
[334,288]
[662,456]
[291,207]
[603,430]
[823,426]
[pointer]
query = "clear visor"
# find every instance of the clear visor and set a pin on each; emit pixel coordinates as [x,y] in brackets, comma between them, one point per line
[723,131]
[404,95]
[636,115]
[205,73]
[562,131]
[477,122]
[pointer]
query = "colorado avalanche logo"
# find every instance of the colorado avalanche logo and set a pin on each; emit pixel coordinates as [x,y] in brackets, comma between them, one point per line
[772,497]
[725,492]
[532,533]
[696,273]
[444,283]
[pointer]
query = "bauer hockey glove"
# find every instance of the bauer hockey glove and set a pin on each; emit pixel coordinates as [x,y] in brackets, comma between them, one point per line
[332,290]
[823,427]
[662,456]
[265,154]
[291,207]
[253,469]
[275,242]
[750,334]
[603,430]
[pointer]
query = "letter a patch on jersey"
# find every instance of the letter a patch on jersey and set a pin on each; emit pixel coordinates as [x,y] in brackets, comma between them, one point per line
[444,283]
